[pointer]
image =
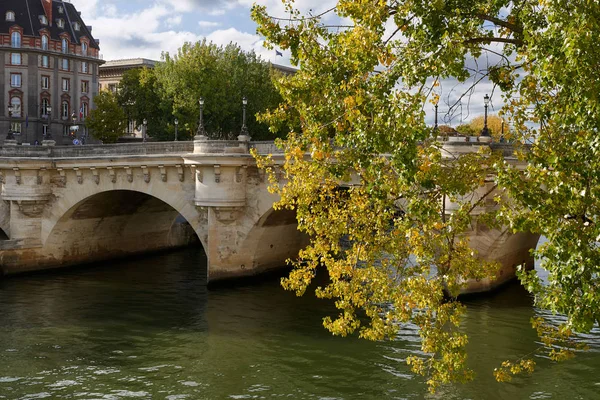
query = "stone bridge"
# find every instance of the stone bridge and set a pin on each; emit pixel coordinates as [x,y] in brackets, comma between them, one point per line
[70,205]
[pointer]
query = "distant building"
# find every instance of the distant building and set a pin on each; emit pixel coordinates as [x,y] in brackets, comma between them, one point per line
[284,69]
[49,73]
[111,74]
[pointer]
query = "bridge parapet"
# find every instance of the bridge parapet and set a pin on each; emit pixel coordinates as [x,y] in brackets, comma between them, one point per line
[119,149]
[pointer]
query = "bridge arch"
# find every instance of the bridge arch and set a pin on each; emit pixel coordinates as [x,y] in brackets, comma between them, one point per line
[114,222]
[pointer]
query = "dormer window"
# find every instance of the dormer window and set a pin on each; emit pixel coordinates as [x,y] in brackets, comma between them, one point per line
[60,23]
[43,20]
[60,9]
[65,46]
[76,26]
[44,42]
[10,16]
[84,48]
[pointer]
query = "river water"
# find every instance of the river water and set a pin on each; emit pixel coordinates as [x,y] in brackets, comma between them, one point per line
[149,328]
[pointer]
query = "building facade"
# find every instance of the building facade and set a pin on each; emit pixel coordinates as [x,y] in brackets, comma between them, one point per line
[110,76]
[49,65]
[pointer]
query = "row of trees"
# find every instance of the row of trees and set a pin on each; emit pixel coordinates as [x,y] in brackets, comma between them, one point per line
[497,126]
[171,90]
[361,92]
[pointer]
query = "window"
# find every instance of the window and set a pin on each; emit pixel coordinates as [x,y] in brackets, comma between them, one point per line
[44,42]
[84,110]
[85,87]
[45,82]
[15,127]
[15,80]
[84,48]
[65,46]
[45,61]
[84,67]
[60,23]
[15,58]
[64,110]
[60,9]
[10,16]
[65,84]
[45,105]
[15,40]
[112,87]
[76,26]
[15,102]
[43,20]
[64,64]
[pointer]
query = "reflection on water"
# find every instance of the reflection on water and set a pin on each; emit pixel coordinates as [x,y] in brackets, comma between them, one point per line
[150,328]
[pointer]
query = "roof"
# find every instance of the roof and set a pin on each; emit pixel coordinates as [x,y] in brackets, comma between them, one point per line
[285,69]
[129,63]
[27,13]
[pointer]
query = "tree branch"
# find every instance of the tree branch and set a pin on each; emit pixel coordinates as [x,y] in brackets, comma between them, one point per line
[500,22]
[517,42]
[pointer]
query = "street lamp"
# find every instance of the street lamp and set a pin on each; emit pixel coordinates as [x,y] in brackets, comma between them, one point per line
[244,104]
[201,132]
[9,135]
[176,124]
[145,127]
[48,129]
[485,131]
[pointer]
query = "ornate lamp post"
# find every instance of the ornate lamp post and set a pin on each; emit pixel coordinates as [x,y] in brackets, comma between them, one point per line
[435,127]
[201,133]
[144,128]
[485,131]
[176,125]
[244,128]
[9,135]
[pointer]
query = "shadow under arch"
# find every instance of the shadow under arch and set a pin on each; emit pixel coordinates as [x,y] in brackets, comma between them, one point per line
[117,223]
[274,239]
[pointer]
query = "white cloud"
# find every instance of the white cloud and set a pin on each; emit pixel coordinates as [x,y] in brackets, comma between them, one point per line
[173,21]
[208,24]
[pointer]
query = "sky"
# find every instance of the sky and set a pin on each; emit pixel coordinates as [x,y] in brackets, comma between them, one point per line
[146,28]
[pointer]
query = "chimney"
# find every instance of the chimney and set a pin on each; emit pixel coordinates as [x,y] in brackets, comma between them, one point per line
[48,10]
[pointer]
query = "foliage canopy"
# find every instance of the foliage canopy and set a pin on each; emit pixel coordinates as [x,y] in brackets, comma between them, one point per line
[368,68]
[107,121]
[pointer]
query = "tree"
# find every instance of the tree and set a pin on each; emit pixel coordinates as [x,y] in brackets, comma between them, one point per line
[140,95]
[494,124]
[360,94]
[107,121]
[222,75]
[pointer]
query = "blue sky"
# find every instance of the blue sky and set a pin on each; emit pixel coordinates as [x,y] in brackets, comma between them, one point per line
[146,28]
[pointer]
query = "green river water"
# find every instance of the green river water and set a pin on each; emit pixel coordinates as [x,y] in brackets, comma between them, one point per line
[149,328]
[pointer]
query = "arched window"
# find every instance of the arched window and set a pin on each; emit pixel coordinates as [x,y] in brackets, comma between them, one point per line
[15,40]
[44,42]
[60,23]
[64,110]
[10,16]
[43,20]
[45,105]
[15,102]
[65,46]
[84,48]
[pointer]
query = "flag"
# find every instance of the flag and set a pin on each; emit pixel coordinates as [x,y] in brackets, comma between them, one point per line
[278,53]
[26,120]
[81,113]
